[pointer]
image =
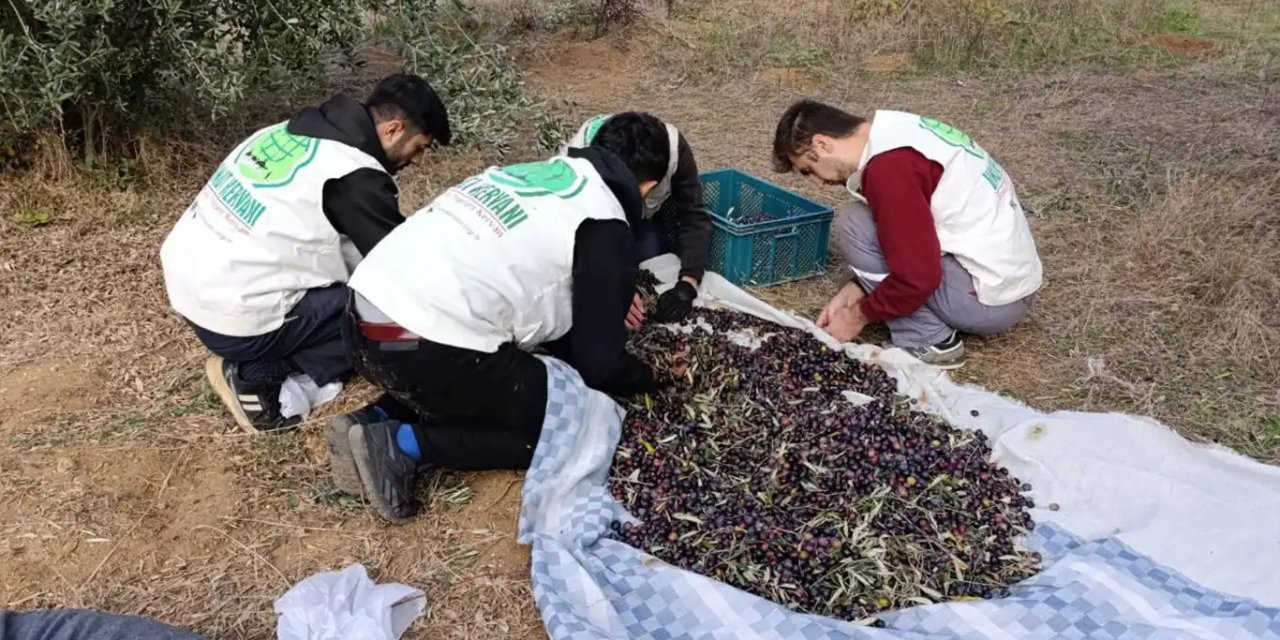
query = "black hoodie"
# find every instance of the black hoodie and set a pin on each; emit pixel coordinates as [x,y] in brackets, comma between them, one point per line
[363,205]
[691,214]
[604,283]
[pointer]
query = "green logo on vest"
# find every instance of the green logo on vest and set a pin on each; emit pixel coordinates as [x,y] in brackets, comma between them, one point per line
[500,205]
[275,156]
[952,136]
[532,179]
[237,197]
[593,127]
[993,174]
[499,190]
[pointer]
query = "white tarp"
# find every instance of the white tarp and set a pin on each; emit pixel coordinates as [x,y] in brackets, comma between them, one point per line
[1154,536]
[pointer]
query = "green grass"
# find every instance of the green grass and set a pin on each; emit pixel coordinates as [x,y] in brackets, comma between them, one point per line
[793,53]
[1251,31]
[32,218]
[131,423]
[204,402]
[1177,18]
[1266,441]
[79,426]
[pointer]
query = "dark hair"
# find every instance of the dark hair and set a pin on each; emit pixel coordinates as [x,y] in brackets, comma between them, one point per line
[801,122]
[408,97]
[640,140]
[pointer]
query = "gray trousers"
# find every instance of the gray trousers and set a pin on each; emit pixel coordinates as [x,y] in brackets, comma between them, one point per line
[79,624]
[954,306]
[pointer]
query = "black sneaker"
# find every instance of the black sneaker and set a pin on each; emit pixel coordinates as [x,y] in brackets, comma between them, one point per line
[255,406]
[388,475]
[342,463]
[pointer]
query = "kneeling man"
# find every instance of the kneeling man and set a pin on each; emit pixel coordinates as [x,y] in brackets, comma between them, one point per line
[936,241]
[448,309]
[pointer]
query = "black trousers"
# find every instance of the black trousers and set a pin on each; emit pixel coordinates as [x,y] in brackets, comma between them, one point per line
[471,410]
[310,339]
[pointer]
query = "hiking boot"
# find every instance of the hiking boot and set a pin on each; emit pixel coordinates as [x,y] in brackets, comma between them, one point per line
[255,406]
[342,463]
[387,473]
[946,355]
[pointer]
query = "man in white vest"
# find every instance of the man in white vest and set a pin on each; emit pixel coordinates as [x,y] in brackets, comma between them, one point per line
[257,264]
[936,240]
[675,220]
[449,308]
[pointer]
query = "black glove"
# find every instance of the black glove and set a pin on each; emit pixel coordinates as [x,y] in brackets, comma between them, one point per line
[676,303]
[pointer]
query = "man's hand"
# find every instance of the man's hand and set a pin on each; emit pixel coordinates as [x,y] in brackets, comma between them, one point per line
[635,315]
[677,302]
[842,317]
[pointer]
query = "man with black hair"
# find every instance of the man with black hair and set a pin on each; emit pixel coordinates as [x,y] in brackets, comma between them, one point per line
[936,241]
[257,264]
[675,220]
[448,309]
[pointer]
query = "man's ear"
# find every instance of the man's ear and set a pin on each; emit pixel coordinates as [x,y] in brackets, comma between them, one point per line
[823,144]
[646,187]
[390,129]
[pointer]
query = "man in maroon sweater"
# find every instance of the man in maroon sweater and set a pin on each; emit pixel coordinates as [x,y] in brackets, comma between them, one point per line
[937,243]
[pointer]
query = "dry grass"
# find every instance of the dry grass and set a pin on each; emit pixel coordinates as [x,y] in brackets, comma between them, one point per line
[1154,198]
[1178,297]
[717,42]
[122,484]
[1156,203]
[164,510]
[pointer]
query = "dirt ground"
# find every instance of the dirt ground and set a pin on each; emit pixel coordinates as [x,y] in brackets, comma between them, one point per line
[1154,194]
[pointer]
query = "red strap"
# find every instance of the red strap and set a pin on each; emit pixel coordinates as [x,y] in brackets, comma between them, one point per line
[386,332]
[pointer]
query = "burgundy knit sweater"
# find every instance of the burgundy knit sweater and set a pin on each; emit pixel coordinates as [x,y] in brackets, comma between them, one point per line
[898,186]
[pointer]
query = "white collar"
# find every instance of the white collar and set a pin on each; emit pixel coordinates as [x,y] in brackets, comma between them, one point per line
[854,183]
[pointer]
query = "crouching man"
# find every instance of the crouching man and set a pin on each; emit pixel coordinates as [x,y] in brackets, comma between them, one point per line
[675,203]
[258,262]
[937,243]
[448,309]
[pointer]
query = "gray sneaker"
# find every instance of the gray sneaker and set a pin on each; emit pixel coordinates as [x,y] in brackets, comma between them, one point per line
[342,463]
[387,473]
[946,355]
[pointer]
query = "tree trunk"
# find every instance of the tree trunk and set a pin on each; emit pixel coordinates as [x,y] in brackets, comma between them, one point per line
[90,136]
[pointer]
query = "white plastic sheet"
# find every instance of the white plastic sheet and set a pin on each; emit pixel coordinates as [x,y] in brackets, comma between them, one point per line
[346,605]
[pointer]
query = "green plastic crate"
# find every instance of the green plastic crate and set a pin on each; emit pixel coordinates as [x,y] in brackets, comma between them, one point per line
[763,234]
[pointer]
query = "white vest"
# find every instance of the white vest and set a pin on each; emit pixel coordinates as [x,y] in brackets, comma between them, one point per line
[975,209]
[256,237]
[658,196]
[490,260]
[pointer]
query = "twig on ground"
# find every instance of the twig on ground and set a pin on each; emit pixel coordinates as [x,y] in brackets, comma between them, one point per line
[505,491]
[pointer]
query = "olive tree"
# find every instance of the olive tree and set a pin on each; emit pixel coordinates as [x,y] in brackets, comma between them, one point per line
[94,70]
